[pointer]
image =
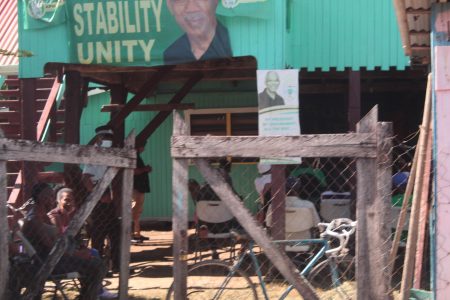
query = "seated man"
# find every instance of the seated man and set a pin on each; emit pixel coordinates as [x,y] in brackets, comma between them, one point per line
[42,235]
[61,216]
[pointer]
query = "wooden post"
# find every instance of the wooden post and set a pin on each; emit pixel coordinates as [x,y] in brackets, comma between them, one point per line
[180,214]
[411,243]
[73,106]
[278,192]
[423,216]
[402,216]
[28,132]
[4,230]
[119,97]
[371,233]
[354,99]
[381,230]
[125,234]
[278,258]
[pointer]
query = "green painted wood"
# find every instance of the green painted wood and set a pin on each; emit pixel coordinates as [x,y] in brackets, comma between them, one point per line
[312,34]
[344,34]
[157,152]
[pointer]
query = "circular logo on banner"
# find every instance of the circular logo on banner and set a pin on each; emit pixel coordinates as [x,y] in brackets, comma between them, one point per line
[36,9]
[230,3]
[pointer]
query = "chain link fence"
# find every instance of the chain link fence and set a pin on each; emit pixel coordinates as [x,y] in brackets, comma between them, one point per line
[318,190]
[76,210]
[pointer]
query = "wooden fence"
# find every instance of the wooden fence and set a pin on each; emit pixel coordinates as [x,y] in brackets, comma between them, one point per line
[116,159]
[370,145]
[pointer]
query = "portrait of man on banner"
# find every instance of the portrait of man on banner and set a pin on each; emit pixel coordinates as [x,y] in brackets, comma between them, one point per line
[269,96]
[278,103]
[204,36]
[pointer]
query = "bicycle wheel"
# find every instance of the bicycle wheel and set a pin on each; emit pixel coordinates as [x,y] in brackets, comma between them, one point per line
[321,277]
[214,279]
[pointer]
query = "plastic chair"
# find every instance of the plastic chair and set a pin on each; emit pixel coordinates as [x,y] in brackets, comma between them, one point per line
[213,224]
[299,222]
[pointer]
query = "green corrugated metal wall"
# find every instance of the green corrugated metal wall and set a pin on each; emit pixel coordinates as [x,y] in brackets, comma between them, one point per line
[343,33]
[158,202]
[301,34]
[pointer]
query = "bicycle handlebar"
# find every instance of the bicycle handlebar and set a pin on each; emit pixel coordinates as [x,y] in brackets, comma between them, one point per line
[338,228]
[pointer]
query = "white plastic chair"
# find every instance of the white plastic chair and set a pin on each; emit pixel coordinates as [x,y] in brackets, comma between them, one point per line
[214,213]
[299,222]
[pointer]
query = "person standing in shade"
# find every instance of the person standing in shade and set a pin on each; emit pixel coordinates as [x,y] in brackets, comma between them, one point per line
[269,96]
[141,186]
[104,220]
[205,38]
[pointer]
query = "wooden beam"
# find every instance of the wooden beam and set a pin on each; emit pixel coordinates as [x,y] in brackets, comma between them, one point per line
[338,145]
[28,132]
[354,99]
[278,192]
[411,242]
[180,215]
[4,231]
[73,107]
[162,116]
[66,153]
[150,107]
[366,268]
[278,258]
[74,227]
[46,113]
[424,214]
[125,242]
[146,89]
[118,97]
[380,213]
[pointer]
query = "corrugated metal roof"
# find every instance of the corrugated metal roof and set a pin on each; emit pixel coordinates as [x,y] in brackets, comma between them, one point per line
[414,19]
[8,31]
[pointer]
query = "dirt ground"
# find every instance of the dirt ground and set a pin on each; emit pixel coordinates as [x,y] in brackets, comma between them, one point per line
[151,269]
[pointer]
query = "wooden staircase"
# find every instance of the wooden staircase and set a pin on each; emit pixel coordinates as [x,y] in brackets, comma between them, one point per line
[13,125]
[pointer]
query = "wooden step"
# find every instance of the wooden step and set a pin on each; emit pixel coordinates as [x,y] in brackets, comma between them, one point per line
[10,128]
[10,93]
[13,166]
[12,82]
[45,82]
[48,177]
[9,116]
[11,104]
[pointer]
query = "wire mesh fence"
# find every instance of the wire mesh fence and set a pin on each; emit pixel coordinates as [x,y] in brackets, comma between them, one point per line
[37,224]
[319,190]
[67,226]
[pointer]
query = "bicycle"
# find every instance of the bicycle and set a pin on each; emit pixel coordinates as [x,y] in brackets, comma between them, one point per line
[216,279]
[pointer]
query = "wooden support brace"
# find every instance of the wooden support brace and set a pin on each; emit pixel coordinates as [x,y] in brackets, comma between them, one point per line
[4,230]
[278,257]
[161,116]
[180,215]
[150,107]
[125,242]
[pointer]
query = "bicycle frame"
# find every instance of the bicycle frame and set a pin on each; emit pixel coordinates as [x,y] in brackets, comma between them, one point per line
[250,252]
